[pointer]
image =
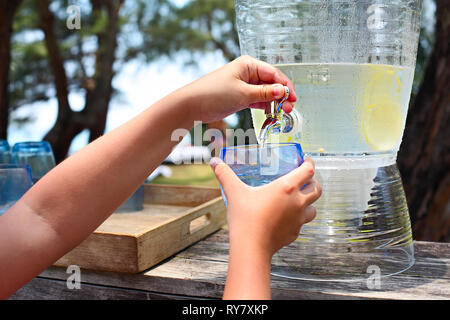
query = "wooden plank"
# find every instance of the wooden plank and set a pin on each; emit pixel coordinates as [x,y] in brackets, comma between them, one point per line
[200,271]
[135,223]
[434,249]
[50,289]
[173,218]
[168,239]
[97,252]
[179,195]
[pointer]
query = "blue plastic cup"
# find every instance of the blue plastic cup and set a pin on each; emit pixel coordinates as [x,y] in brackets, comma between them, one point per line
[5,152]
[38,155]
[15,180]
[256,165]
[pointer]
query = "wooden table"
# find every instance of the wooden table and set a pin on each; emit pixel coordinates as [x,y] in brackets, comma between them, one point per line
[199,272]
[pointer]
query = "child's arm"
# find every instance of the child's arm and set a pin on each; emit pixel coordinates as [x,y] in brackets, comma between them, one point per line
[262,220]
[73,199]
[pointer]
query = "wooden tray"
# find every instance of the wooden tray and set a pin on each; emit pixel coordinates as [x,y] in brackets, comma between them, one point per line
[173,218]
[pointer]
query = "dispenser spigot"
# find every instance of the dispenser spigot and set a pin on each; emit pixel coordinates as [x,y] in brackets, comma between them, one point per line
[277,121]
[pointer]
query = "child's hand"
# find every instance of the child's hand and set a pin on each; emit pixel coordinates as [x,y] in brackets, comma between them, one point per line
[268,217]
[261,220]
[244,82]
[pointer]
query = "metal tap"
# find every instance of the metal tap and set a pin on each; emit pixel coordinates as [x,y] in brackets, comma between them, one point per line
[277,121]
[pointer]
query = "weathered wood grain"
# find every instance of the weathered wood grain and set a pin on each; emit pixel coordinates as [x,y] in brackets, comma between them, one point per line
[47,289]
[200,272]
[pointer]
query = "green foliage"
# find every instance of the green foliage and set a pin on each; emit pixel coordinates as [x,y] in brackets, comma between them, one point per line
[31,78]
[31,81]
[28,81]
[197,27]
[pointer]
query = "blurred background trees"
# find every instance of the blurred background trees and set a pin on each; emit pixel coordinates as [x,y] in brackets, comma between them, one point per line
[42,59]
[65,61]
[424,156]
[7,10]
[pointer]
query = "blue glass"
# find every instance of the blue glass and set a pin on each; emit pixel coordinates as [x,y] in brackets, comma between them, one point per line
[5,151]
[15,180]
[134,203]
[256,165]
[38,155]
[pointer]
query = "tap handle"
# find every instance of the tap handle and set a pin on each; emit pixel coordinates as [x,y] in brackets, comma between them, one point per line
[286,95]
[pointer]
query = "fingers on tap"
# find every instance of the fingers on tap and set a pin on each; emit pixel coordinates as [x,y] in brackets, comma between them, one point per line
[270,74]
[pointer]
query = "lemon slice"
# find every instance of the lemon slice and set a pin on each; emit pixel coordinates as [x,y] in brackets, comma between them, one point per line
[382,117]
[382,124]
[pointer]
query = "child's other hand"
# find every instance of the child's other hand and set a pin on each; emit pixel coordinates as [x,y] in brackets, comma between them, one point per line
[266,218]
[244,82]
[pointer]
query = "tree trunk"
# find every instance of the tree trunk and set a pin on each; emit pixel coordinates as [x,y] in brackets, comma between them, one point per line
[7,10]
[424,156]
[98,93]
[97,104]
[65,128]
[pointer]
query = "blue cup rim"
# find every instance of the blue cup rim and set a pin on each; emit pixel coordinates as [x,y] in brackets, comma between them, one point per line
[259,147]
[32,146]
[252,148]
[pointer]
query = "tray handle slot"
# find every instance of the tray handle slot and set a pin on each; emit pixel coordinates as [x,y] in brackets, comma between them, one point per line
[199,223]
